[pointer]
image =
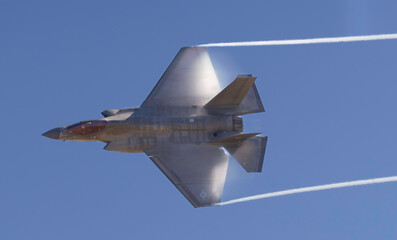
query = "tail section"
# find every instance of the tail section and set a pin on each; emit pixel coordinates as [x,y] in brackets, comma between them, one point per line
[233,94]
[239,98]
[247,148]
[249,153]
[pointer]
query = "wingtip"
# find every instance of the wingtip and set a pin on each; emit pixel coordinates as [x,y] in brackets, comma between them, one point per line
[194,46]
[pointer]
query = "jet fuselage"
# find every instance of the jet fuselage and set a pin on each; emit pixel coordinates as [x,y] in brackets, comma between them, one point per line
[141,129]
[188,126]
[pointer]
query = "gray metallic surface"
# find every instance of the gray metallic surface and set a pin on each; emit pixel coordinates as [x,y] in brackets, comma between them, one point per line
[233,94]
[180,132]
[190,80]
[249,153]
[239,98]
[197,170]
[53,133]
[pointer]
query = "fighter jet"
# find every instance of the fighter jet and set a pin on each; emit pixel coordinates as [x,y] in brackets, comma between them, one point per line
[185,126]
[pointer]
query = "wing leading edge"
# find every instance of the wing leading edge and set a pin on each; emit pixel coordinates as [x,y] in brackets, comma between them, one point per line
[198,171]
[190,80]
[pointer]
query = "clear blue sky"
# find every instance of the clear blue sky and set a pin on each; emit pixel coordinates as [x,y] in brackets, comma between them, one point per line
[331,116]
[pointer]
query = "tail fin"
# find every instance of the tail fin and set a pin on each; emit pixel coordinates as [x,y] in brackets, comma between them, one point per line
[239,98]
[249,153]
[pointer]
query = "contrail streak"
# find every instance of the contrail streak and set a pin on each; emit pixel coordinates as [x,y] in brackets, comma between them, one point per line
[311,189]
[303,41]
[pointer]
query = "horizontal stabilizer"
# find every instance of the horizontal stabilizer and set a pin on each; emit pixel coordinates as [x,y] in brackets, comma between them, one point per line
[233,140]
[249,153]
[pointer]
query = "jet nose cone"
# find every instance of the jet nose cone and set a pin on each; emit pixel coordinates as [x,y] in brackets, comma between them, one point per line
[53,133]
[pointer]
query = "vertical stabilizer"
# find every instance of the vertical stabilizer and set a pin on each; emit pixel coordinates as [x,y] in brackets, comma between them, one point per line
[239,98]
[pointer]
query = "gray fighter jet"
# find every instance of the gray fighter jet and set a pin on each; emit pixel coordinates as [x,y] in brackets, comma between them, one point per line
[185,126]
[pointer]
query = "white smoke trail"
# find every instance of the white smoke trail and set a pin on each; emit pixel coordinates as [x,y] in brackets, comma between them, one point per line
[311,189]
[303,41]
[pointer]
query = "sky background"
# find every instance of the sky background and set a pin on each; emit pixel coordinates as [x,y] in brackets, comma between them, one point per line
[330,117]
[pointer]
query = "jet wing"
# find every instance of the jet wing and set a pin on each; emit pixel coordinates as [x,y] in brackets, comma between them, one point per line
[197,170]
[189,80]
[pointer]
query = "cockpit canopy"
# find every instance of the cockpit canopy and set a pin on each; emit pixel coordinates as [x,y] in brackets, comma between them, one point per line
[87,127]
